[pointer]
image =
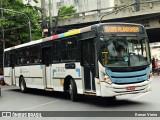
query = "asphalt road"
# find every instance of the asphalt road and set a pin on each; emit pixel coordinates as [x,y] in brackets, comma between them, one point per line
[38,100]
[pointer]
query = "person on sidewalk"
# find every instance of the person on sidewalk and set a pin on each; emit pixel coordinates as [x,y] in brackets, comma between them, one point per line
[153,65]
[156,67]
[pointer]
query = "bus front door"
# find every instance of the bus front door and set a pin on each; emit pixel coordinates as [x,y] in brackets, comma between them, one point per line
[9,71]
[12,57]
[88,63]
[46,61]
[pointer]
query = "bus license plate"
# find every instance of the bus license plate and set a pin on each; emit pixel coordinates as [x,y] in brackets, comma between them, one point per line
[130,88]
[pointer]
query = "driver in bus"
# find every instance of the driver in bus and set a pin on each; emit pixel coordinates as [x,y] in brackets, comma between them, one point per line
[122,51]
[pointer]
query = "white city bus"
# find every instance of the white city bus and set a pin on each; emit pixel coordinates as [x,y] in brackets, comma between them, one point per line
[106,60]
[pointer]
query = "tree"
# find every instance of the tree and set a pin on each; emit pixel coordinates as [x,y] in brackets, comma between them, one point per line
[67,12]
[16,25]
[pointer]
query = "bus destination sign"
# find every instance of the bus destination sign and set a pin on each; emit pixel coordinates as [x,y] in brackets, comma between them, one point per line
[121,29]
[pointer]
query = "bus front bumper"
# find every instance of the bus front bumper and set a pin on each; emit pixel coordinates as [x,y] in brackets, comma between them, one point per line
[109,90]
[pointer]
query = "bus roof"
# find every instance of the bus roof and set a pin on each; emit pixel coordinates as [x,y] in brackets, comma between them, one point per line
[119,23]
[66,34]
[23,45]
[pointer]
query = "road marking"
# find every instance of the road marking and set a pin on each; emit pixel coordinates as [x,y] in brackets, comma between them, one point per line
[140,95]
[39,105]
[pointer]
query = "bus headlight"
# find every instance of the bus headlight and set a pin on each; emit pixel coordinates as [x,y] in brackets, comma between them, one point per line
[107,79]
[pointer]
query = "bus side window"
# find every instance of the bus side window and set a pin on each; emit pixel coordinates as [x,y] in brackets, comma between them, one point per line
[12,59]
[21,56]
[17,57]
[69,49]
[56,54]
[27,54]
[35,56]
[85,53]
[7,59]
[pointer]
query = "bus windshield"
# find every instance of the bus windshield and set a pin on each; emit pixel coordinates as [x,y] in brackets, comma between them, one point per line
[123,51]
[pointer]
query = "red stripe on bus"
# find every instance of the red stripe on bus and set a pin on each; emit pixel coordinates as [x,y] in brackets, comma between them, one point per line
[54,37]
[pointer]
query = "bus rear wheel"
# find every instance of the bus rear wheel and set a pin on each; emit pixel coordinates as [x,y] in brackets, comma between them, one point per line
[22,85]
[73,91]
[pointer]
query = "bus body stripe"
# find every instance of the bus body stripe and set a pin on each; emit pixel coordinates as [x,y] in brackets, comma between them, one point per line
[61,35]
[54,37]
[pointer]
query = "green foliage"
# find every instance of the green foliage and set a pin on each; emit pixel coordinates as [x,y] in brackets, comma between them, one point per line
[67,12]
[20,1]
[16,25]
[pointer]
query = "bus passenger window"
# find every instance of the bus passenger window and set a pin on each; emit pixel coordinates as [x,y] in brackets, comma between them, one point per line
[38,59]
[22,56]
[6,59]
[56,56]
[22,60]
[27,54]
[69,49]
[35,56]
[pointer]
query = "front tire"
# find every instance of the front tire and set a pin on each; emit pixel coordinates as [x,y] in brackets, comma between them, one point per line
[73,91]
[22,85]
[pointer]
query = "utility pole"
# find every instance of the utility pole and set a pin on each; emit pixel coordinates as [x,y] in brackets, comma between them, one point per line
[43,18]
[50,17]
[3,40]
[56,22]
[2,28]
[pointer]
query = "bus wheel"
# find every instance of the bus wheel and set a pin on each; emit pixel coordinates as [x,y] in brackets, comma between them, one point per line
[22,85]
[73,91]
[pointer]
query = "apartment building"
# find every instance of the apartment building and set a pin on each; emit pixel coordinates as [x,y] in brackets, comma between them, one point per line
[80,5]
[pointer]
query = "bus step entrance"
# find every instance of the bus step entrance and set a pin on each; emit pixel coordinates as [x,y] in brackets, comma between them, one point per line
[89,92]
[48,89]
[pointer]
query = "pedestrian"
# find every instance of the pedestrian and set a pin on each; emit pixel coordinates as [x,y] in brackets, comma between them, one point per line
[156,66]
[153,65]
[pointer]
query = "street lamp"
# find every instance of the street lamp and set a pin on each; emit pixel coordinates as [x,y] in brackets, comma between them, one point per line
[115,11]
[29,22]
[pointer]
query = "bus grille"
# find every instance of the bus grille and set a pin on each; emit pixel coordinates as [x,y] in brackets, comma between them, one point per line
[122,78]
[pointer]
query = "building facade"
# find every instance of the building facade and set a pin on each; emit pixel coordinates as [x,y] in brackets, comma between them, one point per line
[137,6]
[127,2]
[80,5]
[31,2]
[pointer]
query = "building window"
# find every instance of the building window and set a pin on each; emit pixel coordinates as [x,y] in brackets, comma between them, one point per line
[60,3]
[76,2]
[137,5]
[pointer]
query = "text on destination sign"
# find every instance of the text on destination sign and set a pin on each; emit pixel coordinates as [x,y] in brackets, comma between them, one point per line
[122,29]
